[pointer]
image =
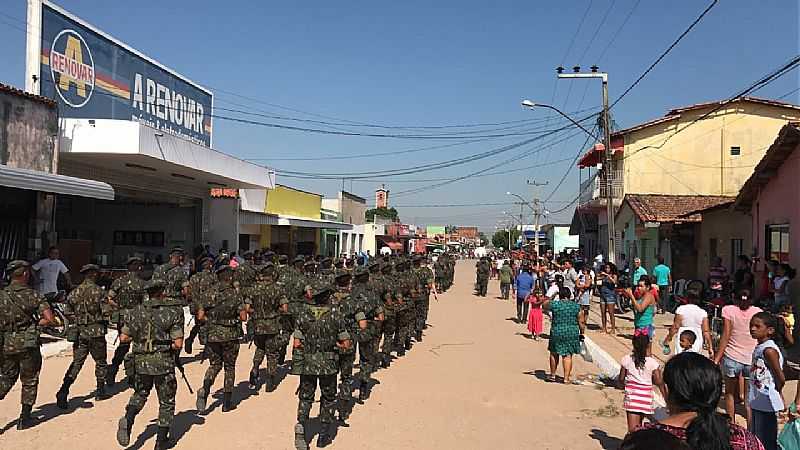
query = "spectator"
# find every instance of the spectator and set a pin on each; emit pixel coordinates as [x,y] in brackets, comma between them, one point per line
[506,278]
[566,330]
[743,276]
[638,271]
[536,318]
[652,439]
[691,317]
[607,279]
[693,391]
[584,291]
[638,373]
[663,276]
[570,276]
[717,278]
[644,305]
[47,271]
[524,285]
[766,381]
[623,264]
[783,272]
[736,347]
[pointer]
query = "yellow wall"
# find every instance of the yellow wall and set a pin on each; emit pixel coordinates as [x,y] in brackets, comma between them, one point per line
[698,160]
[292,202]
[722,225]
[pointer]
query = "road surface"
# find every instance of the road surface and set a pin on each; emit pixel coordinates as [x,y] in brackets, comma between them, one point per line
[475,382]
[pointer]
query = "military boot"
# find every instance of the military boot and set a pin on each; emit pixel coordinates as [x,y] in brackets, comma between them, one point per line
[202,397]
[100,393]
[324,438]
[24,420]
[162,438]
[408,344]
[269,383]
[124,427]
[418,337]
[227,402]
[300,437]
[253,381]
[63,393]
[363,392]
[111,374]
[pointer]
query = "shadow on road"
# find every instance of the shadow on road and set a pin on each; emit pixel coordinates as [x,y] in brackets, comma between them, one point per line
[606,441]
[181,424]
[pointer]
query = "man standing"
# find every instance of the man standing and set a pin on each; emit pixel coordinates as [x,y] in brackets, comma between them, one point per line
[406,291]
[201,286]
[638,271]
[663,276]
[22,311]
[47,271]
[506,279]
[87,303]
[155,332]
[717,278]
[387,292]
[483,273]
[570,276]
[265,302]
[224,315]
[126,293]
[349,307]
[321,333]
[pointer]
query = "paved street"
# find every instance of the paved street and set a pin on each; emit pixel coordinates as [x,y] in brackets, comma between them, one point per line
[474,383]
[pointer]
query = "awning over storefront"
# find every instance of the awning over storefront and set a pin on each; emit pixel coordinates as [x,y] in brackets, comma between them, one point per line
[594,155]
[312,223]
[255,218]
[35,180]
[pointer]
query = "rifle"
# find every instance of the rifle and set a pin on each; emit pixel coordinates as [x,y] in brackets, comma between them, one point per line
[179,365]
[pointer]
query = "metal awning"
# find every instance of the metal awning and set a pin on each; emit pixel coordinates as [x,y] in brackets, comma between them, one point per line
[34,180]
[256,218]
[313,223]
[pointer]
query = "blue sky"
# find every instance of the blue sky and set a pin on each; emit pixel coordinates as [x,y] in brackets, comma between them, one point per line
[436,63]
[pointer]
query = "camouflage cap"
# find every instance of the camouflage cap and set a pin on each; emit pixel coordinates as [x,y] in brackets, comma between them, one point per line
[298,259]
[310,263]
[90,268]
[342,275]
[16,264]
[267,267]
[247,255]
[283,259]
[155,285]
[374,267]
[386,268]
[177,249]
[320,289]
[360,271]
[133,260]
[339,263]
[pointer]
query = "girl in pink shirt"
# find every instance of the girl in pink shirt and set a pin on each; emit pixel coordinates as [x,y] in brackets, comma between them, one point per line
[638,373]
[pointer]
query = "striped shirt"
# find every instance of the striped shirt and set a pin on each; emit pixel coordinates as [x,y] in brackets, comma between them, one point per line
[639,385]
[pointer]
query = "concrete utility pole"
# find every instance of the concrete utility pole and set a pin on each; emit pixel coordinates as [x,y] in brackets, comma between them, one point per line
[537,213]
[607,158]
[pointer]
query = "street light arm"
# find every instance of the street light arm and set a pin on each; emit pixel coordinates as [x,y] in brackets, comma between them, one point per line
[530,104]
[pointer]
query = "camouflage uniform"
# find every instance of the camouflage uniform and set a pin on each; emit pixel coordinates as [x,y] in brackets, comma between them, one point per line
[319,327]
[425,280]
[201,286]
[88,335]
[176,278]
[387,293]
[153,327]
[482,274]
[19,340]
[266,298]
[372,307]
[406,292]
[349,306]
[224,332]
[438,269]
[127,292]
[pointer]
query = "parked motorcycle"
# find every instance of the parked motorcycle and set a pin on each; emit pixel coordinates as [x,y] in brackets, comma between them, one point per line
[58,307]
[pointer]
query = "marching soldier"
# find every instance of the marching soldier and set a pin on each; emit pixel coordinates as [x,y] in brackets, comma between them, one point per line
[155,330]
[390,313]
[294,283]
[224,314]
[372,308]
[482,272]
[126,293]
[326,271]
[22,311]
[265,301]
[347,304]
[88,336]
[201,285]
[175,276]
[426,285]
[321,332]
[405,293]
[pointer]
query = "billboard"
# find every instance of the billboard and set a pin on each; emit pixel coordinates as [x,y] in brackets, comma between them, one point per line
[93,76]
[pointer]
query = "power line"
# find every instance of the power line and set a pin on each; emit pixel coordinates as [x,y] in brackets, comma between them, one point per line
[569,169]
[619,29]
[665,53]
[597,30]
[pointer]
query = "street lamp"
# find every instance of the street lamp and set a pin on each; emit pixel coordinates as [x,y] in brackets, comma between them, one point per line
[531,104]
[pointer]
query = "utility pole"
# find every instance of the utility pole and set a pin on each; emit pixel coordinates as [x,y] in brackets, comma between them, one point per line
[607,158]
[537,213]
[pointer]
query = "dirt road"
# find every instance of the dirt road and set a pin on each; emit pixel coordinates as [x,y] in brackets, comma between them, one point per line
[475,382]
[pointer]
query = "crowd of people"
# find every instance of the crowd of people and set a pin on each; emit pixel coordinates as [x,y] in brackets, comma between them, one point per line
[751,355]
[330,313]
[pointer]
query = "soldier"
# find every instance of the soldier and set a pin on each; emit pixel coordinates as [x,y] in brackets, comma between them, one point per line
[224,315]
[126,293]
[349,307]
[405,295]
[244,275]
[88,336]
[201,285]
[425,277]
[321,332]
[22,311]
[265,302]
[482,274]
[390,313]
[372,308]
[155,330]
[175,275]
[438,269]
[326,271]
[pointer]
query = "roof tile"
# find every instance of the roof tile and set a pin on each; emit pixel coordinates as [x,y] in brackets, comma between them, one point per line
[672,208]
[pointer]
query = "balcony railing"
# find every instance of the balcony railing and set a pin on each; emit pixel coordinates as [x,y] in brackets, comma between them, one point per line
[596,188]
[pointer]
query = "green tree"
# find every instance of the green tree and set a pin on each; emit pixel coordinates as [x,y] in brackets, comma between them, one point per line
[500,238]
[384,213]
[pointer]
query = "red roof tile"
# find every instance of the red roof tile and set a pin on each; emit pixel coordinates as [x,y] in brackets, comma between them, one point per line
[672,208]
[20,93]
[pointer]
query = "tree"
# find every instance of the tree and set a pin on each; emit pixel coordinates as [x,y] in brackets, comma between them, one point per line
[384,213]
[500,238]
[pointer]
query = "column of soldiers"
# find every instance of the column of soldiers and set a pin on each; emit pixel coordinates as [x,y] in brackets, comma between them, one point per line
[327,312]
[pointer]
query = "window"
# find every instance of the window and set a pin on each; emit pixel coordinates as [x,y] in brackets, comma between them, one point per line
[777,243]
[736,251]
[736,151]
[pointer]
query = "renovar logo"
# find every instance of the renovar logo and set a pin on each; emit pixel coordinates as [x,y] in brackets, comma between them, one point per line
[72,68]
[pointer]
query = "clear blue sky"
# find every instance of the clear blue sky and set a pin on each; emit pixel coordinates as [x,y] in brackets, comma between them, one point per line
[431,63]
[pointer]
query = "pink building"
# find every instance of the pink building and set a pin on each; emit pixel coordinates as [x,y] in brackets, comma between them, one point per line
[772,198]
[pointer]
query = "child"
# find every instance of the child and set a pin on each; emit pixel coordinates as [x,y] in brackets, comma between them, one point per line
[535,317]
[639,372]
[686,340]
[766,380]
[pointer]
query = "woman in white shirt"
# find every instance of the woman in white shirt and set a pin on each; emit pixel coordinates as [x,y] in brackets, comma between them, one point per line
[691,317]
